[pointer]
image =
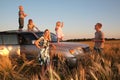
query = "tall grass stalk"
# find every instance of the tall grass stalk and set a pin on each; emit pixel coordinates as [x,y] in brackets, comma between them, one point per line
[93,66]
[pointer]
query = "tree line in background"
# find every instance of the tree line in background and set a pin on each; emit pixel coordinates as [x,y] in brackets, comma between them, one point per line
[88,39]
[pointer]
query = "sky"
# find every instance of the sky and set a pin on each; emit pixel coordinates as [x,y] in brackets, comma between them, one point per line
[79,16]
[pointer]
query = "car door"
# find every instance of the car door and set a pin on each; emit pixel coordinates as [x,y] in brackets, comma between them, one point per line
[9,45]
[27,46]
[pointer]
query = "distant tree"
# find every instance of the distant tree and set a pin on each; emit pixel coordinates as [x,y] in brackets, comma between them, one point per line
[88,39]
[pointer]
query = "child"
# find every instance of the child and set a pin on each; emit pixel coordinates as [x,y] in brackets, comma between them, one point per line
[58,30]
[43,44]
[31,25]
[99,38]
[22,15]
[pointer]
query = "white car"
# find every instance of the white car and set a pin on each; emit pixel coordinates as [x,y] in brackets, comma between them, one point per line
[16,42]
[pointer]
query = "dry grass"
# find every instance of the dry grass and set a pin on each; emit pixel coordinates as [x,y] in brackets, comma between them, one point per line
[91,67]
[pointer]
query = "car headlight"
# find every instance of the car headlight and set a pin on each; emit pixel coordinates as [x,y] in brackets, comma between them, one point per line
[76,51]
[72,51]
[80,50]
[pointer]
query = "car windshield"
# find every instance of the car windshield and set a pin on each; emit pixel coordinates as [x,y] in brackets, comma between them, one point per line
[53,36]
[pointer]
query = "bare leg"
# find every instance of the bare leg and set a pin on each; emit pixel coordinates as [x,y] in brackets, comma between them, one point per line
[58,40]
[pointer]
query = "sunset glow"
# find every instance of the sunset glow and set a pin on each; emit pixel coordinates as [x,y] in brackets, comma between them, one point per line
[79,16]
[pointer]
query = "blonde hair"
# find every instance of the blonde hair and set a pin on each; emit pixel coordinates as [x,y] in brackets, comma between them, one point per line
[48,37]
[20,7]
[58,23]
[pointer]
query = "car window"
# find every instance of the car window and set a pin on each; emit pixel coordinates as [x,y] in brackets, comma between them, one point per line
[0,39]
[26,38]
[53,37]
[10,39]
[39,34]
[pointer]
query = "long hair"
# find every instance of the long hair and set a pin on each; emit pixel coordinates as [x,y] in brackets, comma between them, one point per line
[48,37]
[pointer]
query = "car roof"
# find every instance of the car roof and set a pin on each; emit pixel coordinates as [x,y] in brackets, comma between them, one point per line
[23,31]
[15,31]
[19,32]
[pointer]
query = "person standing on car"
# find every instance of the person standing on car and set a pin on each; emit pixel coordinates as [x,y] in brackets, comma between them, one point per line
[43,44]
[99,38]
[22,15]
[58,30]
[31,25]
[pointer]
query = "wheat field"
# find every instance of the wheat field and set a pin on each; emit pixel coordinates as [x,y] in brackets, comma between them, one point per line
[90,66]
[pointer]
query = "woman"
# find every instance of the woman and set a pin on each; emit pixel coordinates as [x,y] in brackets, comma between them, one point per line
[43,44]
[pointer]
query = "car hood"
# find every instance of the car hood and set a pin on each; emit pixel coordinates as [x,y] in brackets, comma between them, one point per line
[71,45]
[64,47]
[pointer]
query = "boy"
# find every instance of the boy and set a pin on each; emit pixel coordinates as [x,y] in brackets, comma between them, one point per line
[99,38]
[22,15]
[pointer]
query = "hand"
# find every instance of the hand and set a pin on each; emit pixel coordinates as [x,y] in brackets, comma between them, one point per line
[53,46]
[25,15]
[93,40]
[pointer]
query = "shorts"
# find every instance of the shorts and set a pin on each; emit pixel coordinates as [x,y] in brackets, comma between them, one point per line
[21,22]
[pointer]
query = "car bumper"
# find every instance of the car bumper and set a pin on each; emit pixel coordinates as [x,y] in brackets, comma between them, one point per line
[72,62]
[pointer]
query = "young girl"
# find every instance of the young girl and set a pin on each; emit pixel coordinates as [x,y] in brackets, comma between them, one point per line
[31,25]
[43,44]
[58,30]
